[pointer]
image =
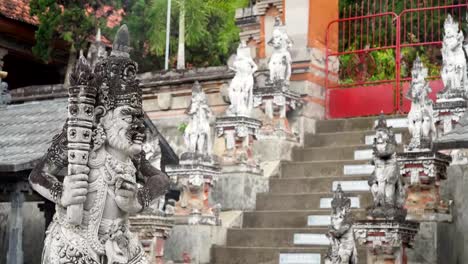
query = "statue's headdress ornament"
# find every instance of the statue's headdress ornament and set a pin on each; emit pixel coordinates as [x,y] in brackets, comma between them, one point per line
[382,126]
[450,23]
[418,68]
[116,75]
[340,200]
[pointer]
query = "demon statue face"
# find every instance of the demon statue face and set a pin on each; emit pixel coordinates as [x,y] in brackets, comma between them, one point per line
[385,182]
[101,144]
[342,248]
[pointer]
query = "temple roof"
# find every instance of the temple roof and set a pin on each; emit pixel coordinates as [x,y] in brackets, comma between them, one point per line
[455,139]
[26,131]
[18,10]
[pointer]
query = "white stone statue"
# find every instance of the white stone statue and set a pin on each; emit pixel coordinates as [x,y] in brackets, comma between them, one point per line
[454,71]
[241,88]
[105,185]
[197,134]
[342,248]
[280,61]
[420,117]
[385,181]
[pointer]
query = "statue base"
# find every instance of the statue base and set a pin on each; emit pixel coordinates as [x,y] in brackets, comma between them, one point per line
[448,110]
[239,133]
[276,100]
[194,177]
[386,240]
[422,171]
[153,231]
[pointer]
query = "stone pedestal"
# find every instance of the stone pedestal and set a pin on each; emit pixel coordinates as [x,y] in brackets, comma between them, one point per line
[153,231]
[192,243]
[238,190]
[239,133]
[386,240]
[194,177]
[448,110]
[276,100]
[423,171]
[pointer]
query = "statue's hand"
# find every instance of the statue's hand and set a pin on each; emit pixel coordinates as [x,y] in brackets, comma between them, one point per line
[75,186]
[126,198]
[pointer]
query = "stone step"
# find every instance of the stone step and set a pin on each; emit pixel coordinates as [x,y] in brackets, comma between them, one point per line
[268,255]
[322,168]
[356,124]
[273,255]
[286,218]
[307,201]
[312,184]
[272,237]
[328,153]
[349,138]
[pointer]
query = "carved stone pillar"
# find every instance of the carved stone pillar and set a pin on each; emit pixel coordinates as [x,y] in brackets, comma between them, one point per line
[15,226]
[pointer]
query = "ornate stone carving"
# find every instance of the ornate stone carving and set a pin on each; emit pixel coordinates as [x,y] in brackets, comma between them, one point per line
[241,88]
[342,248]
[106,186]
[197,134]
[198,169]
[451,102]
[5,97]
[420,117]
[385,182]
[97,50]
[280,61]
[453,71]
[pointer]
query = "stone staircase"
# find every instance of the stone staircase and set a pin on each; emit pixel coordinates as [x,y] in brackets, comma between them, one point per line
[290,221]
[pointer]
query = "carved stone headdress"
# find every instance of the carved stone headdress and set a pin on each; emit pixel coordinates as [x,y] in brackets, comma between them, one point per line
[116,75]
[450,24]
[340,201]
[382,126]
[418,69]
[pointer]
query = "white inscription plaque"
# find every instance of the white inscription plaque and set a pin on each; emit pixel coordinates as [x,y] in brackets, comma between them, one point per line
[364,154]
[359,169]
[311,239]
[352,185]
[318,220]
[326,202]
[299,258]
[396,122]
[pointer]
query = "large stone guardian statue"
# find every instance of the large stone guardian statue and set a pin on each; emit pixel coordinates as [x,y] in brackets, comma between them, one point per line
[280,61]
[342,248]
[420,117]
[385,182]
[453,71]
[241,88]
[116,181]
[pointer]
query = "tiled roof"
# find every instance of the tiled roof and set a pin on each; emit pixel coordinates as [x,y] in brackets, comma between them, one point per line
[26,131]
[17,10]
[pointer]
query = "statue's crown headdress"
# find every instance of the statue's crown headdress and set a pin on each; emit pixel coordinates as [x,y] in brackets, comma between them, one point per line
[382,126]
[418,68]
[116,75]
[450,23]
[340,200]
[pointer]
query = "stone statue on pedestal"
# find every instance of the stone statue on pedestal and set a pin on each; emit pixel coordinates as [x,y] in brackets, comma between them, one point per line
[280,60]
[454,69]
[115,181]
[5,97]
[420,117]
[241,88]
[197,134]
[385,182]
[340,233]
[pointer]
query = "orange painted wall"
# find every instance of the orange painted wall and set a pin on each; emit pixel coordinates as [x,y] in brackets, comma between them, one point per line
[320,14]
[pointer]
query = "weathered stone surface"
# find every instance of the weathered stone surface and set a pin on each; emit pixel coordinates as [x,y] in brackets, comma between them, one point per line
[195,242]
[165,101]
[237,191]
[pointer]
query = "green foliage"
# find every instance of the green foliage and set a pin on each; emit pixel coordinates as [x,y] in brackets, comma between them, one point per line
[65,19]
[182,127]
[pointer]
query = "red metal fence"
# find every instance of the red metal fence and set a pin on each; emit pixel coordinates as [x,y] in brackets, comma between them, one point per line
[378,41]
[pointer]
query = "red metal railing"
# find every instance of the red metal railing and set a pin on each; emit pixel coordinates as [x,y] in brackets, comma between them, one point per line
[386,25]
